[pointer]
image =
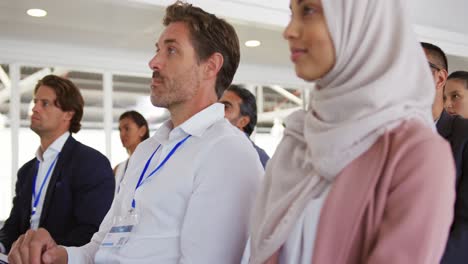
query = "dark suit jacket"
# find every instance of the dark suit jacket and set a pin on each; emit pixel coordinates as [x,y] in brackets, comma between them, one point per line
[79,194]
[264,158]
[455,130]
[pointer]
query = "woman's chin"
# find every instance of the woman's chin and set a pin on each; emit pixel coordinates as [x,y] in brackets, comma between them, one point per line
[312,72]
[306,76]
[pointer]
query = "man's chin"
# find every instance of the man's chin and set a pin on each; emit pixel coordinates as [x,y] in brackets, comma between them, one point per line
[35,129]
[157,103]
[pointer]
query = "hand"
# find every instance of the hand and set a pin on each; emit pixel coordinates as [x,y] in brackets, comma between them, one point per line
[37,247]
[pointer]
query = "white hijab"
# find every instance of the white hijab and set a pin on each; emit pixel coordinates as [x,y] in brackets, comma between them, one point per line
[380,78]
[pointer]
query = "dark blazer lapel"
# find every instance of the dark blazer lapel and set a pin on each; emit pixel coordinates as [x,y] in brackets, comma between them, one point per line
[27,196]
[64,157]
[444,125]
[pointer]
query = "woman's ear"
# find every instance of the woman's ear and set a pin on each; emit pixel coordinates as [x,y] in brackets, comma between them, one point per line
[213,65]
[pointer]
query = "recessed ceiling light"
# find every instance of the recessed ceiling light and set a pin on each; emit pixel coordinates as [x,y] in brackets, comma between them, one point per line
[36,12]
[252,43]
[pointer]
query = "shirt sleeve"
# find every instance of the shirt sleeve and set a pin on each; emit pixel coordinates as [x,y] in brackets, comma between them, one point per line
[215,227]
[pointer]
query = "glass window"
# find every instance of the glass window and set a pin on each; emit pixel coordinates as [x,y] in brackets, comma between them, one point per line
[5,142]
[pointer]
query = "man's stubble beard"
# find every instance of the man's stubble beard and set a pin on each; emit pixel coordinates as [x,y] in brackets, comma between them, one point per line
[177,90]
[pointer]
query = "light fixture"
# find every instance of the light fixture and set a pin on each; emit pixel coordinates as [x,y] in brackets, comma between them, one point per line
[252,43]
[34,12]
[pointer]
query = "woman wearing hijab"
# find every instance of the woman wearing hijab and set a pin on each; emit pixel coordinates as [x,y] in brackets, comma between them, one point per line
[360,176]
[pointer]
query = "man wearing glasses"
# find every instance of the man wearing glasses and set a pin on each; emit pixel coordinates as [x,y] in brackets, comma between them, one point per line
[455,130]
[439,68]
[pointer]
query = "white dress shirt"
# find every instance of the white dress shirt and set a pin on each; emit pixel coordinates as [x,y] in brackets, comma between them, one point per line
[46,162]
[299,246]
[196,208]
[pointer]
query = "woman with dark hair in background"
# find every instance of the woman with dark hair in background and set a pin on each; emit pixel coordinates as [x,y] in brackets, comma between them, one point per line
[133,129]
[456,94]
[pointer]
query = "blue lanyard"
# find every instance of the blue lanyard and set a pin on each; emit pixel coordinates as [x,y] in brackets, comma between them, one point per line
[38,197]
[141,181]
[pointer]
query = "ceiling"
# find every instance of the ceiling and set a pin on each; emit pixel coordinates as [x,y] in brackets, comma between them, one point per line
[95,36]
[449,15]
[130,27]
[118,25]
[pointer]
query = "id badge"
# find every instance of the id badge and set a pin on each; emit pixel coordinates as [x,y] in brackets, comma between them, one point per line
[120,230]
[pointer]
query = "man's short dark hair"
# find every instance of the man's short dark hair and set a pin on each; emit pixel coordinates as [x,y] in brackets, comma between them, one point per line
[248,107]
[139,120]
[437,53]
[459,75]
[68,98]
[209,34]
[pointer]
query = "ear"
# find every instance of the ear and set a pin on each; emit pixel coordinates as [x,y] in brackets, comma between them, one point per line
[213,65]
[141,132]
[442,76]
[69,115]
[242,122]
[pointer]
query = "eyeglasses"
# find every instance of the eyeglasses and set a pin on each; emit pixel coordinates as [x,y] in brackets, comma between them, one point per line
[433,66]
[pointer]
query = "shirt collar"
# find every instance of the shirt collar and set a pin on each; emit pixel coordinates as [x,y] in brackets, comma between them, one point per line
[54,148]
[195,125]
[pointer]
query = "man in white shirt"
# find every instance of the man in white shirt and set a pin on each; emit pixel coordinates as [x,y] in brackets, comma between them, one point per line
[189,189]
[66,187]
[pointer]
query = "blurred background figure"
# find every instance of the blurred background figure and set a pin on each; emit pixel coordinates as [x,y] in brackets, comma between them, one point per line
[454,129]
[133,129]
[456,94]
[240,108]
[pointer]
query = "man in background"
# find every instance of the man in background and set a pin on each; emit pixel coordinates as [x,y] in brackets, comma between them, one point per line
[240,108]
[68,187]
[455,130]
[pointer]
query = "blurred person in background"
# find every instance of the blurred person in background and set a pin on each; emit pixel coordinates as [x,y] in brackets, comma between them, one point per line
[456,94]
[454,129]
[133,129]
[240,108]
